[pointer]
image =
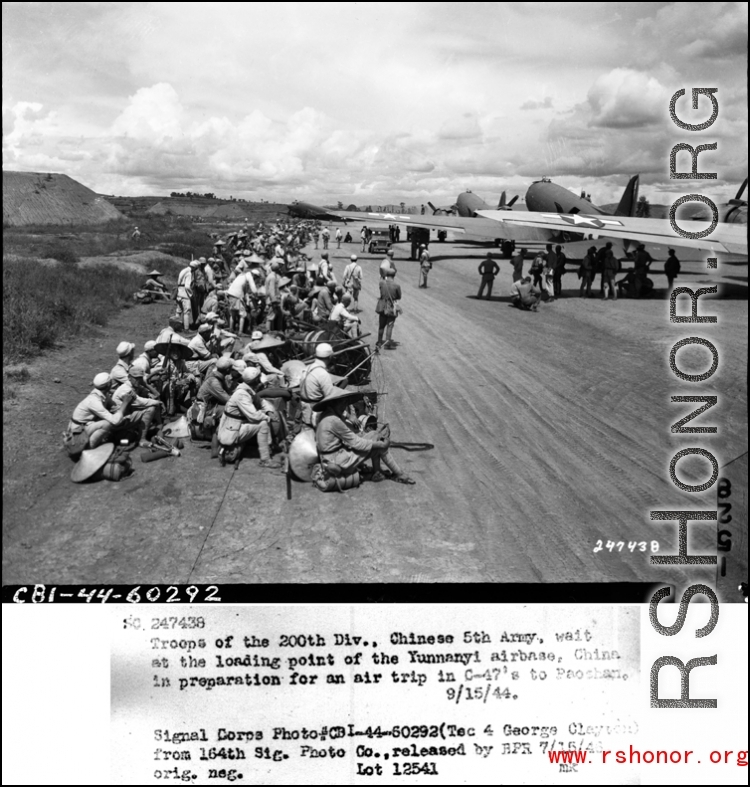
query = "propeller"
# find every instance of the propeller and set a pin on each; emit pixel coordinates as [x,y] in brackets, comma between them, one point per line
[738,201]
[447,211]
[503,205]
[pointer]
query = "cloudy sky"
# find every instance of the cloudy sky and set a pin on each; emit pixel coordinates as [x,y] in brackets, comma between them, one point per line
[370,102]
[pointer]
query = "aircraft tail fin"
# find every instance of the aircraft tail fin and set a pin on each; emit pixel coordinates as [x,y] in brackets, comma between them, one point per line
[738,197]
[629,200]
[501,204]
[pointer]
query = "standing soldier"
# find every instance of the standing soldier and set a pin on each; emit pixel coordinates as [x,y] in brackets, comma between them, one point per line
[488,270]
[609,272]
[136,237]
[352,281]
[185,293]
[338,237]
[324,268]
[200,286]
[558,271]
[425,266]
[536,269]
[587,271]
[517,263]
[671,268]
[326,233]
[387,309]
[273,298]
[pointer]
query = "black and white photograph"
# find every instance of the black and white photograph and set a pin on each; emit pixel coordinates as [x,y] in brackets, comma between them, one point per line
[312,306]
[375,293]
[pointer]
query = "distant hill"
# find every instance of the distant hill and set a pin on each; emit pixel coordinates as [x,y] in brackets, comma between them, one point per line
[51,198]
[132,206]
[199,207]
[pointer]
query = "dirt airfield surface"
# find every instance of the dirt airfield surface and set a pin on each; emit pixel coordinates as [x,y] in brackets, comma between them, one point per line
[551,433]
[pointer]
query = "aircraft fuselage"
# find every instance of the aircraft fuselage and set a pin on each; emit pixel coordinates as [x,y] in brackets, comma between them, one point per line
[306,210]
[543,195]
[469,203]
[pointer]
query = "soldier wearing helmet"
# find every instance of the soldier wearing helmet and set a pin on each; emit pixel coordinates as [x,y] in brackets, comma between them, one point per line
[316,383]
[92,424]
[242,421]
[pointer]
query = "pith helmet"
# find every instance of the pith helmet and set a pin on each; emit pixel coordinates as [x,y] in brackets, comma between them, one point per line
[323,351]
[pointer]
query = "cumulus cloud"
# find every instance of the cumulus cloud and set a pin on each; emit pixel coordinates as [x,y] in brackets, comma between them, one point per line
[624,98]
[154,115]
[465,127]
[101,93]
[718,32]
[532,104]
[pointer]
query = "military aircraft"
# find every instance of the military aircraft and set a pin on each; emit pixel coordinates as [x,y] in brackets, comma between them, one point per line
[468,223]
[306,210]
[733,212]
[544,195]
[727,238]
[471,221]
[467,204]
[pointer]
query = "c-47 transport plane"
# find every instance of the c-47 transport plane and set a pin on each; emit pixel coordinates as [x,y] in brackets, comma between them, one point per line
[544,195]
[306,210]
[467,204]
[473,211]
[726,238]
[729,237]
[468,223]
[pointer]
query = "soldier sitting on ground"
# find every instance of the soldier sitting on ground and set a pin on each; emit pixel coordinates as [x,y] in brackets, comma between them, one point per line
[92,423]
[524,295]
[242,420]
[153,289]
[342,450]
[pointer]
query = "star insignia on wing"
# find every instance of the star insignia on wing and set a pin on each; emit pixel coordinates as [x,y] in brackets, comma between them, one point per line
[576,220]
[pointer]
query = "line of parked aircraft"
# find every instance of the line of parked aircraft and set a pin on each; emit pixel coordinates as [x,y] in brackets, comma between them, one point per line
[555,214]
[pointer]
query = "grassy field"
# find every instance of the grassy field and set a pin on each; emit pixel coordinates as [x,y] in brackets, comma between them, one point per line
[44,303]
[71,243]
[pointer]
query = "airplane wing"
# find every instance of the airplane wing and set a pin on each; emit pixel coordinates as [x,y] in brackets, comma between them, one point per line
[469,226]
[454,223]
[725,238]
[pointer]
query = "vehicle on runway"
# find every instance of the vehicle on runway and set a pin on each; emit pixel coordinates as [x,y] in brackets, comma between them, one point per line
[380,241]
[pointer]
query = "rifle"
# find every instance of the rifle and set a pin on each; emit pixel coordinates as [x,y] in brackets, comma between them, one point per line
[170,387]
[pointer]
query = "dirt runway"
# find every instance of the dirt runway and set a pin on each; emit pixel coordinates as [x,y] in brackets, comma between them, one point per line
[551,435]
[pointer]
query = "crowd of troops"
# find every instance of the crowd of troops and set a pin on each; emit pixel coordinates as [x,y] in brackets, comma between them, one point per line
[233,390]
[543,281]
